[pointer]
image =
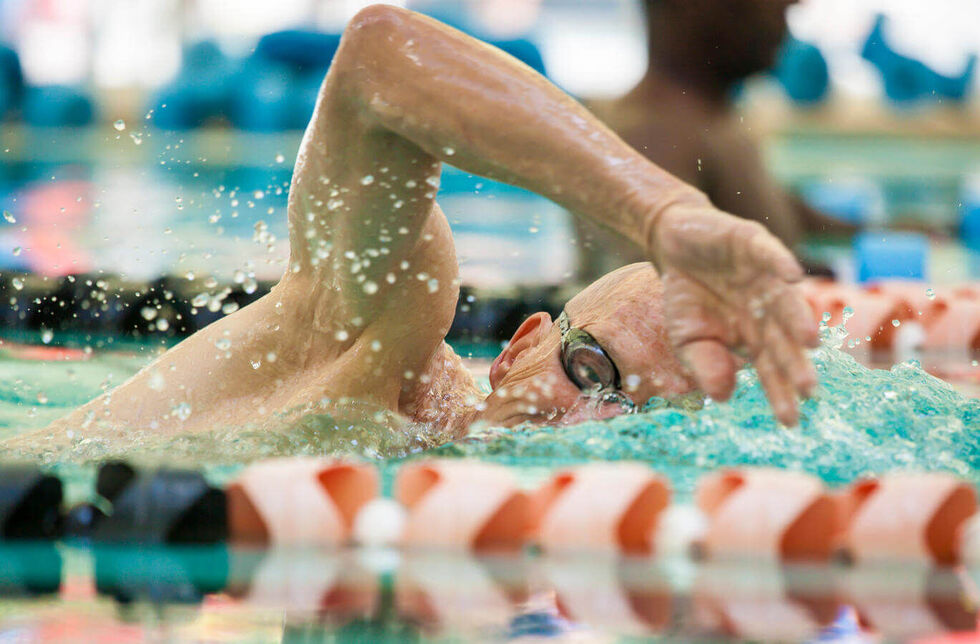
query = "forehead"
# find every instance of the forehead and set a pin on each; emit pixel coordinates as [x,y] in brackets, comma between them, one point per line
[624,313]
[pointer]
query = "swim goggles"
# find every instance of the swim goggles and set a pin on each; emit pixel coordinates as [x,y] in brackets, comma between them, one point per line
[584,360]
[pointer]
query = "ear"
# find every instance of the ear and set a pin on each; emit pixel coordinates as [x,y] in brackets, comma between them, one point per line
[532,332]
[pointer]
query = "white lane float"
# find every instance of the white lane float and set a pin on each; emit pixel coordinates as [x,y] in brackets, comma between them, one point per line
[767,512]
[907,515]
[462,504]
[611,507]
[298,501]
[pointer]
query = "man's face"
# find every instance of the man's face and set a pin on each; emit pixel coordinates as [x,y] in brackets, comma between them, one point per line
[738,37]
[623,313]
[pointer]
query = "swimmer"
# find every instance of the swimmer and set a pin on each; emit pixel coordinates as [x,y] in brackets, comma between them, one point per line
[371,285]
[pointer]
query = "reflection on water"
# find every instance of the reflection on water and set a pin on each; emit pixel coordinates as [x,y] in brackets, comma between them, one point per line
[225,593]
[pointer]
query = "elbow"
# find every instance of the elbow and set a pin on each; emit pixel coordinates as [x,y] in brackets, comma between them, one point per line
[373,26]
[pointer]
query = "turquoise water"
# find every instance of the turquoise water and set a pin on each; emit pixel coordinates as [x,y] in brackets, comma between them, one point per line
[861,421]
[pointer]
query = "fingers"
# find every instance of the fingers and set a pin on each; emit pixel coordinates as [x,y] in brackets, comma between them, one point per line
[775,257]
[781,394]
[712,366]
[796,317]
[791,360]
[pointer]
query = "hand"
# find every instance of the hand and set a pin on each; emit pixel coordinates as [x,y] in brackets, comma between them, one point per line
[729,294]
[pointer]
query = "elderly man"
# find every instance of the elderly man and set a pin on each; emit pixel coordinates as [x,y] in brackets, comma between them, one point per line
[371,286]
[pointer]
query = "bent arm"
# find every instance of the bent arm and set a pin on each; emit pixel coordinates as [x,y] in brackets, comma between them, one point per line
[406,92]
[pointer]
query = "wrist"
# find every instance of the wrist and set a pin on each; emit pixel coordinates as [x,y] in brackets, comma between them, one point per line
[680,198]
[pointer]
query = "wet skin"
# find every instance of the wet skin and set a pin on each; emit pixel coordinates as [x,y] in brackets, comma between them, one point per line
[372,281]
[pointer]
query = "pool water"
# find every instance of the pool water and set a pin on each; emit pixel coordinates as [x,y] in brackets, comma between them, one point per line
[861,421]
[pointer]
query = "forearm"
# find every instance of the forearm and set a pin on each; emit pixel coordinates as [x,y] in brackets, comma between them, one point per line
[481,110]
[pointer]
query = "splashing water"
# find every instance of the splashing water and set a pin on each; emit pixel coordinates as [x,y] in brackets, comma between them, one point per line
[861,421]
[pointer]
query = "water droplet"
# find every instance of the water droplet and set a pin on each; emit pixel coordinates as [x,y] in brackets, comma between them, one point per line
[18,283]
[137,140]
[341,335]
[157,383]
[448,151]
[149,313]
[189,276]
[120,125]
[896,323]
[182,411]
[238,276]
[433,285]
[367,180]
[280,158]
[433,181]
[42,398]
[47,335]
[250,285]
[229,308]
[410,183]
[533,229]
[375,346]
[334,204]
[931,293]
[9,217]
[223,344]
[370,287]
[271,356]
[255,363]
[200,300]
[163,324]
[17,250]
[258,194]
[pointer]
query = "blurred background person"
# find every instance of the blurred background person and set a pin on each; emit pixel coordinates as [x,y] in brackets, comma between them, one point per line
[681,115]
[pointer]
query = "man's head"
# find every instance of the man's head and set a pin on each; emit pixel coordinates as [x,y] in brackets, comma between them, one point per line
[726,39]
[623,313]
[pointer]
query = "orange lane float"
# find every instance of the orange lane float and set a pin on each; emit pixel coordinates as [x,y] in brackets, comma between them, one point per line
[768,512]
[462,504]
[298,501]
[955,326]
[873,312]
[601,506]
[907,515]
[922,303]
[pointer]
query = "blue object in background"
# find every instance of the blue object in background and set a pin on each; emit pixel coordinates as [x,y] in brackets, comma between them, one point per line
[855,200]
[304,50]
[885,254]
[200,92]
[802,71]
[11,81]
[970,212]
[523,50]
[262,98]
[907,79]
[57,106]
